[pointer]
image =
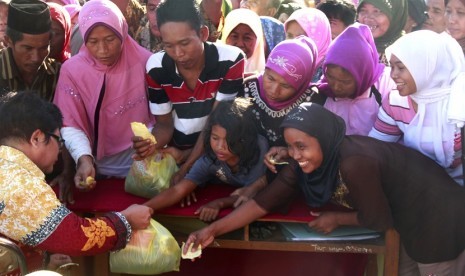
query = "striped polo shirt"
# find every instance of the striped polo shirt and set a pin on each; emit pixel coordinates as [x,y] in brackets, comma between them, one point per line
[221,79]
[44,83]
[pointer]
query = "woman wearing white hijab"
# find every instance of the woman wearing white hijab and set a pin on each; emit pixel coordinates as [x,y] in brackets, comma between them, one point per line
[243,29]
[428,108]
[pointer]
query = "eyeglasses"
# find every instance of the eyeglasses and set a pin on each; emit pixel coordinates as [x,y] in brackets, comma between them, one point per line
[60,141]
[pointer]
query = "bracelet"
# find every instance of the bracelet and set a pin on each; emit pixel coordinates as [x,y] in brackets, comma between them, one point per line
[126,223]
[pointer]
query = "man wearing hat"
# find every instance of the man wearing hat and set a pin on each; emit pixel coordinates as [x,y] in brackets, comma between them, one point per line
[24,64]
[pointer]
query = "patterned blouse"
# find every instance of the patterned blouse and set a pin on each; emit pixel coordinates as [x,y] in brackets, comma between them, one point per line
[268,120]
[31,213]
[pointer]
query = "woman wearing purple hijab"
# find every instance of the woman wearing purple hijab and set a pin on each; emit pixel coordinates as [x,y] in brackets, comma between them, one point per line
[354,80]
[283,85]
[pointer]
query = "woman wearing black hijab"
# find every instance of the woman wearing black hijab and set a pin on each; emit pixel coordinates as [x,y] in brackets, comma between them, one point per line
[385,184]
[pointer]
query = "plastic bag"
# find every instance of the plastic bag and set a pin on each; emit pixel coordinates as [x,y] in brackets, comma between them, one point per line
[148,177]
[151,251]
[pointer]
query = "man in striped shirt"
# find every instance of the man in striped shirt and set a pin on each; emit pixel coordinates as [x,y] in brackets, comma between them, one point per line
[186,81]
[24,64]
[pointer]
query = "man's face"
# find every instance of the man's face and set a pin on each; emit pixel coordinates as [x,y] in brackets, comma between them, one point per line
[260,7]
[436,16]
[3,20]
[183,44]
[30,52]
[152,16]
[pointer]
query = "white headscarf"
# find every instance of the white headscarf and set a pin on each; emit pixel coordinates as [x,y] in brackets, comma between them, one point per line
[255,63]
[437,65]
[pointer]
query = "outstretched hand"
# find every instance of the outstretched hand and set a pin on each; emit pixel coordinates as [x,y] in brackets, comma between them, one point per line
[203,237]
[325,222]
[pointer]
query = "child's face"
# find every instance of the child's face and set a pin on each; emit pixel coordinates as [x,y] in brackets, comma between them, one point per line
[220,146]
[455,19]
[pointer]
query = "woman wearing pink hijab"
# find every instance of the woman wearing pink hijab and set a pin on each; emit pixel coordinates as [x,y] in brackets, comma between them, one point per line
[314,24]
[101,91]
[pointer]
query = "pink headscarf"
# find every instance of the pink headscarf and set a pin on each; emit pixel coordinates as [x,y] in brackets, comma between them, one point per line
[294,60]
[72,9]
[362,62]
[69,2]
[82,78]
[316,26]
[60,15]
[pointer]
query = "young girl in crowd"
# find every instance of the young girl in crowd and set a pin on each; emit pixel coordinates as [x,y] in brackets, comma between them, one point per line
[430,98]
[314,24]
[354,80]
[283,85]
[61,28]
[104,95]
[455,20]
[386,19]
[233,155]
[375,180]
[243,29]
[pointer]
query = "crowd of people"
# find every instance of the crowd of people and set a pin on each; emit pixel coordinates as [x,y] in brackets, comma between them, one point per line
[364,103]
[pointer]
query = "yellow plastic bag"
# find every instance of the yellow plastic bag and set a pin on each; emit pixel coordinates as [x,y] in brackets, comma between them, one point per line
[151,251]
[148,177]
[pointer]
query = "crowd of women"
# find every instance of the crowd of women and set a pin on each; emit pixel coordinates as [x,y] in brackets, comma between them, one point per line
[365,115]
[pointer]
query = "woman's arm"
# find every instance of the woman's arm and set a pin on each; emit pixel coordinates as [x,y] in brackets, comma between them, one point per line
[326,222]
[245,214]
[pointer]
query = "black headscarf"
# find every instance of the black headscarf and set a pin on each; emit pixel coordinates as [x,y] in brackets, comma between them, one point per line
[396,11]
[329,129]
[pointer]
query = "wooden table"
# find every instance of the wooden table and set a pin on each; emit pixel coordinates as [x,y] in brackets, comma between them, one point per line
[109,195]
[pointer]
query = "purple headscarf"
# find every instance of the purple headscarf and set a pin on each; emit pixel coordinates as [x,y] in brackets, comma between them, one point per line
[295,61]
[355,51]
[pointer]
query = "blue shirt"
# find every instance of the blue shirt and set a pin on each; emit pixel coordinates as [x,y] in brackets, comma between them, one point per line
[207,170]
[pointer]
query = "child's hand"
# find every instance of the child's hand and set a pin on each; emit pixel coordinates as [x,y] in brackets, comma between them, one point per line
[190,198]
[275,156]
[142,147]
[325,222]
[209,211]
